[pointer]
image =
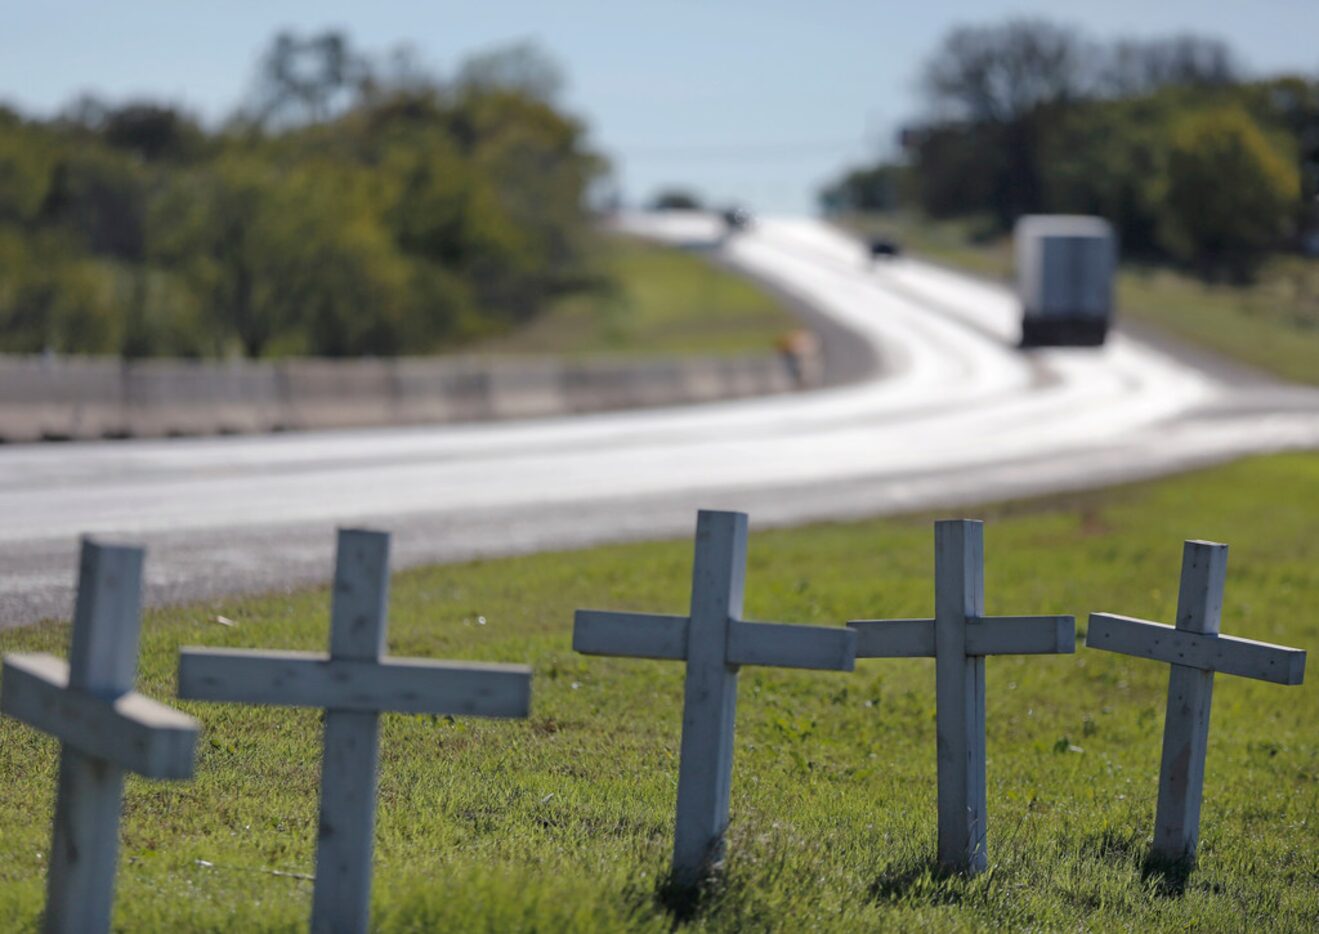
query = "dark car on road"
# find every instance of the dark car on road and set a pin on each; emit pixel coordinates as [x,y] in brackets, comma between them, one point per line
[883,246]
[736,218]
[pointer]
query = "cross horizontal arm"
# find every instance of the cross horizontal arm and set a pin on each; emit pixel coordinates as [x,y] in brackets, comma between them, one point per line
[1233,656]
[894,638]
[781,645]
[313,679]
[132,731]
[1021,635]
[639,635]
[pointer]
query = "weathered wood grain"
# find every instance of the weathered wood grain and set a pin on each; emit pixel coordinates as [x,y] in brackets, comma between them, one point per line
[1021,635]
[105,729]
[1190,696]
[345,835]
[960,695]
[959,638]
[637,635]
[894,638]
[314,679]
[130,731]
[1227,654]
[715,642]
[705,762]
[1195,651]
[354,683]
[782,645]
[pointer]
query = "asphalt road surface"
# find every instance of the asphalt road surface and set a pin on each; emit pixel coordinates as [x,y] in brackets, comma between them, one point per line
[952,415]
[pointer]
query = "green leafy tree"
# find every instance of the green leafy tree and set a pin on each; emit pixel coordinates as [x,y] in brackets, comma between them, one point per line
[26,166]
[52,299]
[153,132]
[326,267]
[100,197]
[535,172]
[205,227]
[521,69]
[356,209]
[1029,116]
[1230,194]
[1107,158]
[880,187]
[304,80]
[999,87]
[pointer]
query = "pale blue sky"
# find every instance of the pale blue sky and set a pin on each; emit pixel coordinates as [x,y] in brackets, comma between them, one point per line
[751,100]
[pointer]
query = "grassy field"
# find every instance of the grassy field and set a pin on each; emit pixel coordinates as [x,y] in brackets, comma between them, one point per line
[1272,325]
[666,301]
[563,822]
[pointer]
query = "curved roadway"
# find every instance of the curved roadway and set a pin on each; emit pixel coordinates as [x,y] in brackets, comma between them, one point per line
[954,415]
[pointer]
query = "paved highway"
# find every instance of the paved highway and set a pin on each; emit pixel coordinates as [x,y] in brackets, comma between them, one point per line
[953,415]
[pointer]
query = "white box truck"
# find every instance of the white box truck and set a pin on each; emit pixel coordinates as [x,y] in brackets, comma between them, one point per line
[1065,266]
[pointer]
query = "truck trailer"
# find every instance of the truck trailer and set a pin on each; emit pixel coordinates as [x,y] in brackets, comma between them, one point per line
[1065,267]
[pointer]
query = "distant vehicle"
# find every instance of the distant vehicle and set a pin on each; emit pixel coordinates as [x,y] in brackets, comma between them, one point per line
[1065,266]
[882,246]
[736,218]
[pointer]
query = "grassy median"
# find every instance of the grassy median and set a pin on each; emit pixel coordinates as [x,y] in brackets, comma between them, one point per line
[662,300]
[563,821]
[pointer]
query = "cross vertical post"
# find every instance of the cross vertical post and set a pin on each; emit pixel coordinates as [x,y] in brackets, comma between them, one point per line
[354,684]
[1190,695]
[705,764]
[958,638]
[102,660]
[105,729]
[346,829]
[1195,651]
[715,642]
[959,595]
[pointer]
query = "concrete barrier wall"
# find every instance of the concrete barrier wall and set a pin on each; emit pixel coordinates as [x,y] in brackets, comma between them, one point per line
[84,398]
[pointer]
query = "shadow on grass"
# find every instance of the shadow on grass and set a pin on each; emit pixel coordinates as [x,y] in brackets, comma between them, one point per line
[730,887]
[921,880]
[1167,878]
[1162,877]
[685,901]
[1119,846]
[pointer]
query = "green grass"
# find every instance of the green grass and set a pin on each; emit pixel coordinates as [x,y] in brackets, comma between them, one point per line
[963,244]
[563,821]
[1272,324]
[664,301]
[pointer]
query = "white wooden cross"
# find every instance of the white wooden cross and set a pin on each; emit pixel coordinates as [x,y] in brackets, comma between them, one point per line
[105,729]
[354,683]
[1195,651]
[714,641]
[959,637]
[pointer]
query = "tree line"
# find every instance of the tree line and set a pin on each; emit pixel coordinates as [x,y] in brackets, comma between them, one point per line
[352,206]
[1190,159]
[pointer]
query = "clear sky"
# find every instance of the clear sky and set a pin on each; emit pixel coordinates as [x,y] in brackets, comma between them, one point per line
[757,101]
